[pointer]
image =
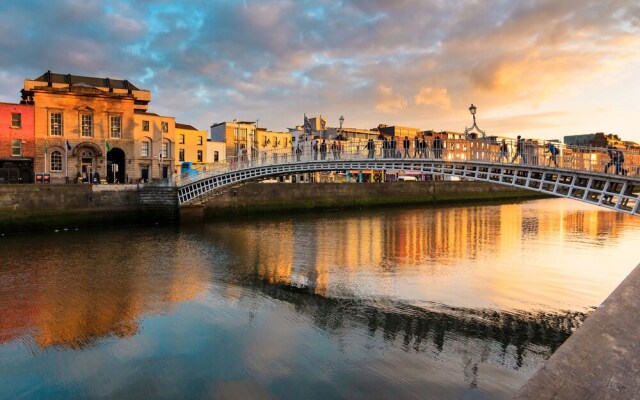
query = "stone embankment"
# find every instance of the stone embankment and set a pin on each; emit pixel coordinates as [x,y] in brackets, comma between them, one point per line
[259,198]
[601,360]
[29,208]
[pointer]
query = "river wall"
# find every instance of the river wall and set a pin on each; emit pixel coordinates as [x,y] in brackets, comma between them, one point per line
[30,208]
[258,198]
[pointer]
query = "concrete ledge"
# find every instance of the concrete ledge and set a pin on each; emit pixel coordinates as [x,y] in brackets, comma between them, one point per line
[601,360]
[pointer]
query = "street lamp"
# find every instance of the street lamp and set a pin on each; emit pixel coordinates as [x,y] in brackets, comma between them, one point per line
[341,122]
[468,132]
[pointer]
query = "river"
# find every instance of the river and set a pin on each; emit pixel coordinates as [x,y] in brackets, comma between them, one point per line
[461,302]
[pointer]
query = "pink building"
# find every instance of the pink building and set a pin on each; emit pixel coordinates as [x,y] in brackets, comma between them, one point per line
[17,143]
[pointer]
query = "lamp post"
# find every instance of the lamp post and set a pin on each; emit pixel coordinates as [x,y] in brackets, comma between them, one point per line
[468,132]
[341,122]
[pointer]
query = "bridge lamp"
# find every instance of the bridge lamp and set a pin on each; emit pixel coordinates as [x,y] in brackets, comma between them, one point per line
[341,122]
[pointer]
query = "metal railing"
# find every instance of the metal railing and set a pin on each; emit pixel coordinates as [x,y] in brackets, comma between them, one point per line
[577,158]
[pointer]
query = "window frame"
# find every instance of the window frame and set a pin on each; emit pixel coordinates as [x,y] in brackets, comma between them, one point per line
[199,157]
[145,125]
[86,125]
[164,126]
[200,140]
[181,155]
[18,147]
[16,123]
[144,148]
[164,148]
[55,160]
[112,126]
[56,127]
[181,139]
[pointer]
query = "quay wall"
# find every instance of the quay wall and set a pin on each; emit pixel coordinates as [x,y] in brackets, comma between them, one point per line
[257,198]
[30,208]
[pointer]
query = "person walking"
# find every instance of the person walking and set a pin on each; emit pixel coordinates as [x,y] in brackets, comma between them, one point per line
[553,152]
[504,151]
[323,150]
[416,145]
[519,149]
[371,147]
[393,146]
[406,143]
[314,147]
[613,159]
[437,147]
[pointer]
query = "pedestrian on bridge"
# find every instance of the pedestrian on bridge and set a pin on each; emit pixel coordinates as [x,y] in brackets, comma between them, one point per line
[314,148]
[323,150]
[416,146]
[371,149]
[424,147]
[406,143]
[519,149]
[437,147]
[504,151]
[553,152]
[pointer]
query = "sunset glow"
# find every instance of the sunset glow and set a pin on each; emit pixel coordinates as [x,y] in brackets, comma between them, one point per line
[543,69]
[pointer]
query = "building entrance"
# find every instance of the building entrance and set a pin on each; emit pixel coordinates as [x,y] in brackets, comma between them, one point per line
[87,169]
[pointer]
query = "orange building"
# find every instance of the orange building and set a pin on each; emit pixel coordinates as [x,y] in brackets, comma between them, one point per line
[17,143]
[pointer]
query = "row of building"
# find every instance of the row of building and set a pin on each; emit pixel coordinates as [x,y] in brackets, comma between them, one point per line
[73,128]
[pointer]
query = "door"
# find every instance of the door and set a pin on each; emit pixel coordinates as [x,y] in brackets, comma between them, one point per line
[87,169]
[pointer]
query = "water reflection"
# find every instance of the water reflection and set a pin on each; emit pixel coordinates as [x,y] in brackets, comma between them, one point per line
[79,289]
[477,296]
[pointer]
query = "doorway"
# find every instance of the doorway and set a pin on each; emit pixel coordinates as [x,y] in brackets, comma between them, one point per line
[87,169]
[116,166]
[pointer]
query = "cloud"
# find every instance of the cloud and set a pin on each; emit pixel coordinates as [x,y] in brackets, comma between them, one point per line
[389,102]
[373,61]
[433,97]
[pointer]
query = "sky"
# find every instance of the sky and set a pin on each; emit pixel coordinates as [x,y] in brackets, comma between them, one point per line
[542,69]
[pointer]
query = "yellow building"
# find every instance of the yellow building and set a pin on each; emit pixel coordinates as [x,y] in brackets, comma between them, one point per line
[191,145]
[87,128]
[154,146]
[243,142]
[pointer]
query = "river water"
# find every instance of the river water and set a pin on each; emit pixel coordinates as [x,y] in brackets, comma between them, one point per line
[450,303]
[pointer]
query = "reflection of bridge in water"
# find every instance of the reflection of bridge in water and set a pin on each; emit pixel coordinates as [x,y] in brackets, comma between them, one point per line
[512,340]
[584,174]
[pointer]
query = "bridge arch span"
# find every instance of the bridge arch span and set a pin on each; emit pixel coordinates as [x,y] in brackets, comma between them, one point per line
[615,192]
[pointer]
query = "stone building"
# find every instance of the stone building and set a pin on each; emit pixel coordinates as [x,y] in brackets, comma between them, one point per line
[86,127]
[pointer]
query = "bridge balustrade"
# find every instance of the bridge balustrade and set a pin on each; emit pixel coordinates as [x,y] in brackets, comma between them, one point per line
[594,175]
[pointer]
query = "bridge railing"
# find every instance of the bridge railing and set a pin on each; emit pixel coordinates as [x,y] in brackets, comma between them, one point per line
[578,158]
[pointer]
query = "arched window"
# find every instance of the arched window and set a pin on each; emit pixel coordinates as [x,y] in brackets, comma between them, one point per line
[56,161]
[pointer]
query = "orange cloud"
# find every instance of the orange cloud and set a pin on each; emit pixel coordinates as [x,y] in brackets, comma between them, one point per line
[389,102]
[434,97]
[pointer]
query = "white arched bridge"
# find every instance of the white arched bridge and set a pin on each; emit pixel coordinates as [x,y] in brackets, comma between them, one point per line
[604,177]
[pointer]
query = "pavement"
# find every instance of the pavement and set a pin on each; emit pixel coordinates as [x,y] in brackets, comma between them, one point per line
[601,360]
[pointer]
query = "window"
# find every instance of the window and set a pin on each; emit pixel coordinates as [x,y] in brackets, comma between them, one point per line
[145,149]
[116,126]
[181,155]
[181,139]
[165,126]
[216,156]
[87,125]
[16,120]
[199,155]
[200,140]
[55,128]
[56,161]
[165,148]
[16,147]
[145,126]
